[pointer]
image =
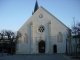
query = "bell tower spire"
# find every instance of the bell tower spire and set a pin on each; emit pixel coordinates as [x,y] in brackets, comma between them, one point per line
[36,7]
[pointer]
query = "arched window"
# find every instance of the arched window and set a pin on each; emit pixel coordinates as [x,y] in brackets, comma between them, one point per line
[59,38]
[25,38]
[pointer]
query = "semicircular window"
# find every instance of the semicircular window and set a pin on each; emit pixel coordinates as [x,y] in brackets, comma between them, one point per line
[41,29]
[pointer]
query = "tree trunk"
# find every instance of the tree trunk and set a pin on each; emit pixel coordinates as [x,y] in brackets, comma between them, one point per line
[12,47]
[76,46]
[2,50]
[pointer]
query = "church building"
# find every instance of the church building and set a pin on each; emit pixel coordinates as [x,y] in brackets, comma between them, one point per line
[42,33]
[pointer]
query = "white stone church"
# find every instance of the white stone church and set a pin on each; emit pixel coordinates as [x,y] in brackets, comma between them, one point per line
[42,33]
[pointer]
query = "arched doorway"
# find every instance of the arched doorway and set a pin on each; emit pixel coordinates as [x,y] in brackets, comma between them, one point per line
[55,48]
[41,47]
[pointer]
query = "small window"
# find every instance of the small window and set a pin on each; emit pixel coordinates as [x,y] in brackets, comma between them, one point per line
[59,38]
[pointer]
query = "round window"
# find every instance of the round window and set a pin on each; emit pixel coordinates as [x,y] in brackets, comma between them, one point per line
[41,29]
[40,16]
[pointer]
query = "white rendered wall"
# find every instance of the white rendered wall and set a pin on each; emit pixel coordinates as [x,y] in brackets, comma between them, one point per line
[50,30]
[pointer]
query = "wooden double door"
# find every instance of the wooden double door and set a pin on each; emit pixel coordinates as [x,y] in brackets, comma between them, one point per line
[41,47]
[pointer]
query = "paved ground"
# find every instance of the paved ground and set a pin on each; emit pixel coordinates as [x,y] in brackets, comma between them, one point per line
[34,57]
[70,57]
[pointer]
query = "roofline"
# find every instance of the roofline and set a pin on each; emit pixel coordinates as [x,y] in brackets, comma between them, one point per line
[49,13]
[55,17]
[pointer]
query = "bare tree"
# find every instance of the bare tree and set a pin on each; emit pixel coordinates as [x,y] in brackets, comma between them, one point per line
[11,36]
[76,33]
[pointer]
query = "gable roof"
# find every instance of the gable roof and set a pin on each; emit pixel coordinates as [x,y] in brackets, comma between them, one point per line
[48,13]
[54,17]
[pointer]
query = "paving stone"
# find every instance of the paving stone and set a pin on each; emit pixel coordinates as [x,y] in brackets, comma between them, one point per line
[34,57]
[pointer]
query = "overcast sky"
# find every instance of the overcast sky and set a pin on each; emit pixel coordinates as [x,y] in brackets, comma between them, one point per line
[14,13]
